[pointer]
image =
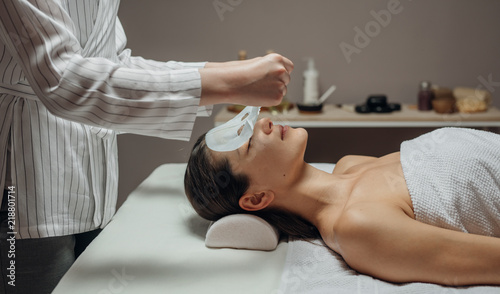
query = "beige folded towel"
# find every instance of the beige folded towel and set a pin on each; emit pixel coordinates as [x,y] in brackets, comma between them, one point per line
[471,100]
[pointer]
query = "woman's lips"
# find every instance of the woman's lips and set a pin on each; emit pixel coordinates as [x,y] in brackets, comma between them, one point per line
[283,130]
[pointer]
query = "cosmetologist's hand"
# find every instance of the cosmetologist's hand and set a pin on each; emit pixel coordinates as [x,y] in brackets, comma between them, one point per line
[259,81]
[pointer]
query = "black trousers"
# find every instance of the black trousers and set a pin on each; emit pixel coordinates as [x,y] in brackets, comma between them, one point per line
[36,265]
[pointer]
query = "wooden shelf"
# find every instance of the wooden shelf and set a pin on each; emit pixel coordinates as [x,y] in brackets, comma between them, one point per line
[345,117]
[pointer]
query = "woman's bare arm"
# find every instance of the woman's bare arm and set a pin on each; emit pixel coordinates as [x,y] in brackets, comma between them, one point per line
[383,242]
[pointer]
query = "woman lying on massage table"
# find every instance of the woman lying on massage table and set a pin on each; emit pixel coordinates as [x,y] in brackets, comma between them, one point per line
[429,213]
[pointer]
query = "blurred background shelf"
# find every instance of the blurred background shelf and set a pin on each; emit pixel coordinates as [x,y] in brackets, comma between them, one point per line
[333,116]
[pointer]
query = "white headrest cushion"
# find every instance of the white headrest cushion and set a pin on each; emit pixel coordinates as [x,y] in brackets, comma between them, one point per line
[242,231]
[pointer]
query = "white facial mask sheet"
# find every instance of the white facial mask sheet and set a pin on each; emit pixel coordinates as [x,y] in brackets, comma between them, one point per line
[234,133]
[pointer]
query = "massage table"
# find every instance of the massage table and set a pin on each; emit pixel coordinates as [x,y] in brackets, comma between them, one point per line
[156,244]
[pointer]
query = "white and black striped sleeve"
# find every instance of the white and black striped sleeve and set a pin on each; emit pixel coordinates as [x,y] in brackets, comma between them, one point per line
[128,94]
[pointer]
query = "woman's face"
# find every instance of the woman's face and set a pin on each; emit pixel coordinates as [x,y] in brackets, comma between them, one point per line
[271,158]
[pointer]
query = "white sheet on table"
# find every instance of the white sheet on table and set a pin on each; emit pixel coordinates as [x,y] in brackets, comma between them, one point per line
[312,268]
[155,244]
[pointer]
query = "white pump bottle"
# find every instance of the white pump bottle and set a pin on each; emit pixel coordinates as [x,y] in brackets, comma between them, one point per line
[311,91]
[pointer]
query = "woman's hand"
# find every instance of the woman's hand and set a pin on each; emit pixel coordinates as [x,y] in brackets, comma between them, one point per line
[259,81]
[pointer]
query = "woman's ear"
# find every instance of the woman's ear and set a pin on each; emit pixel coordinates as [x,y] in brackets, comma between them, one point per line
[256,201]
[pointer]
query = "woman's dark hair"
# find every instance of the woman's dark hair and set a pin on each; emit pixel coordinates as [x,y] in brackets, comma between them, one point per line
[214,192]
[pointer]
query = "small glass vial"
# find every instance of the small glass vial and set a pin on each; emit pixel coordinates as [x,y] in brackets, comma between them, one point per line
[242,55]
[425,96]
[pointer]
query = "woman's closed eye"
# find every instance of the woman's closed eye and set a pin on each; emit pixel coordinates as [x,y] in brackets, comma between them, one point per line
[249,143]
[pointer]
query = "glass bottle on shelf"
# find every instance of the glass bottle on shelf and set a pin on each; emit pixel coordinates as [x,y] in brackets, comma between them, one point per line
[242,55]
[425,96]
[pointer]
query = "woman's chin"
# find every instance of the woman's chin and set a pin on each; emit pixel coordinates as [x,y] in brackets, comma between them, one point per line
[301,139]
[304,135]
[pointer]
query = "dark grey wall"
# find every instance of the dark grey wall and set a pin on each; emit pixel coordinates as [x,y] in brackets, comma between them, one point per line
[449,42]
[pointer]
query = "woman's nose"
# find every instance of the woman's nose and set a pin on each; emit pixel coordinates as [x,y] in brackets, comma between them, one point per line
[265,125]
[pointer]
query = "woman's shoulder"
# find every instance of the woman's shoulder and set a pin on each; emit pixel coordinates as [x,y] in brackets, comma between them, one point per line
[361,223]
[360,216]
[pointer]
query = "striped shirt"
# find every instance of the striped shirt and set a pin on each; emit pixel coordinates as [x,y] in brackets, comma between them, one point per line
[67,87]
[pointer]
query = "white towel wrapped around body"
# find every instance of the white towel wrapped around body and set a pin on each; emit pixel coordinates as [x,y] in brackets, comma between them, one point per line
[453,176]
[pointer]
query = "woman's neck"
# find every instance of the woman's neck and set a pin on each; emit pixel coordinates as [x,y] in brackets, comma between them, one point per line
[316,196]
